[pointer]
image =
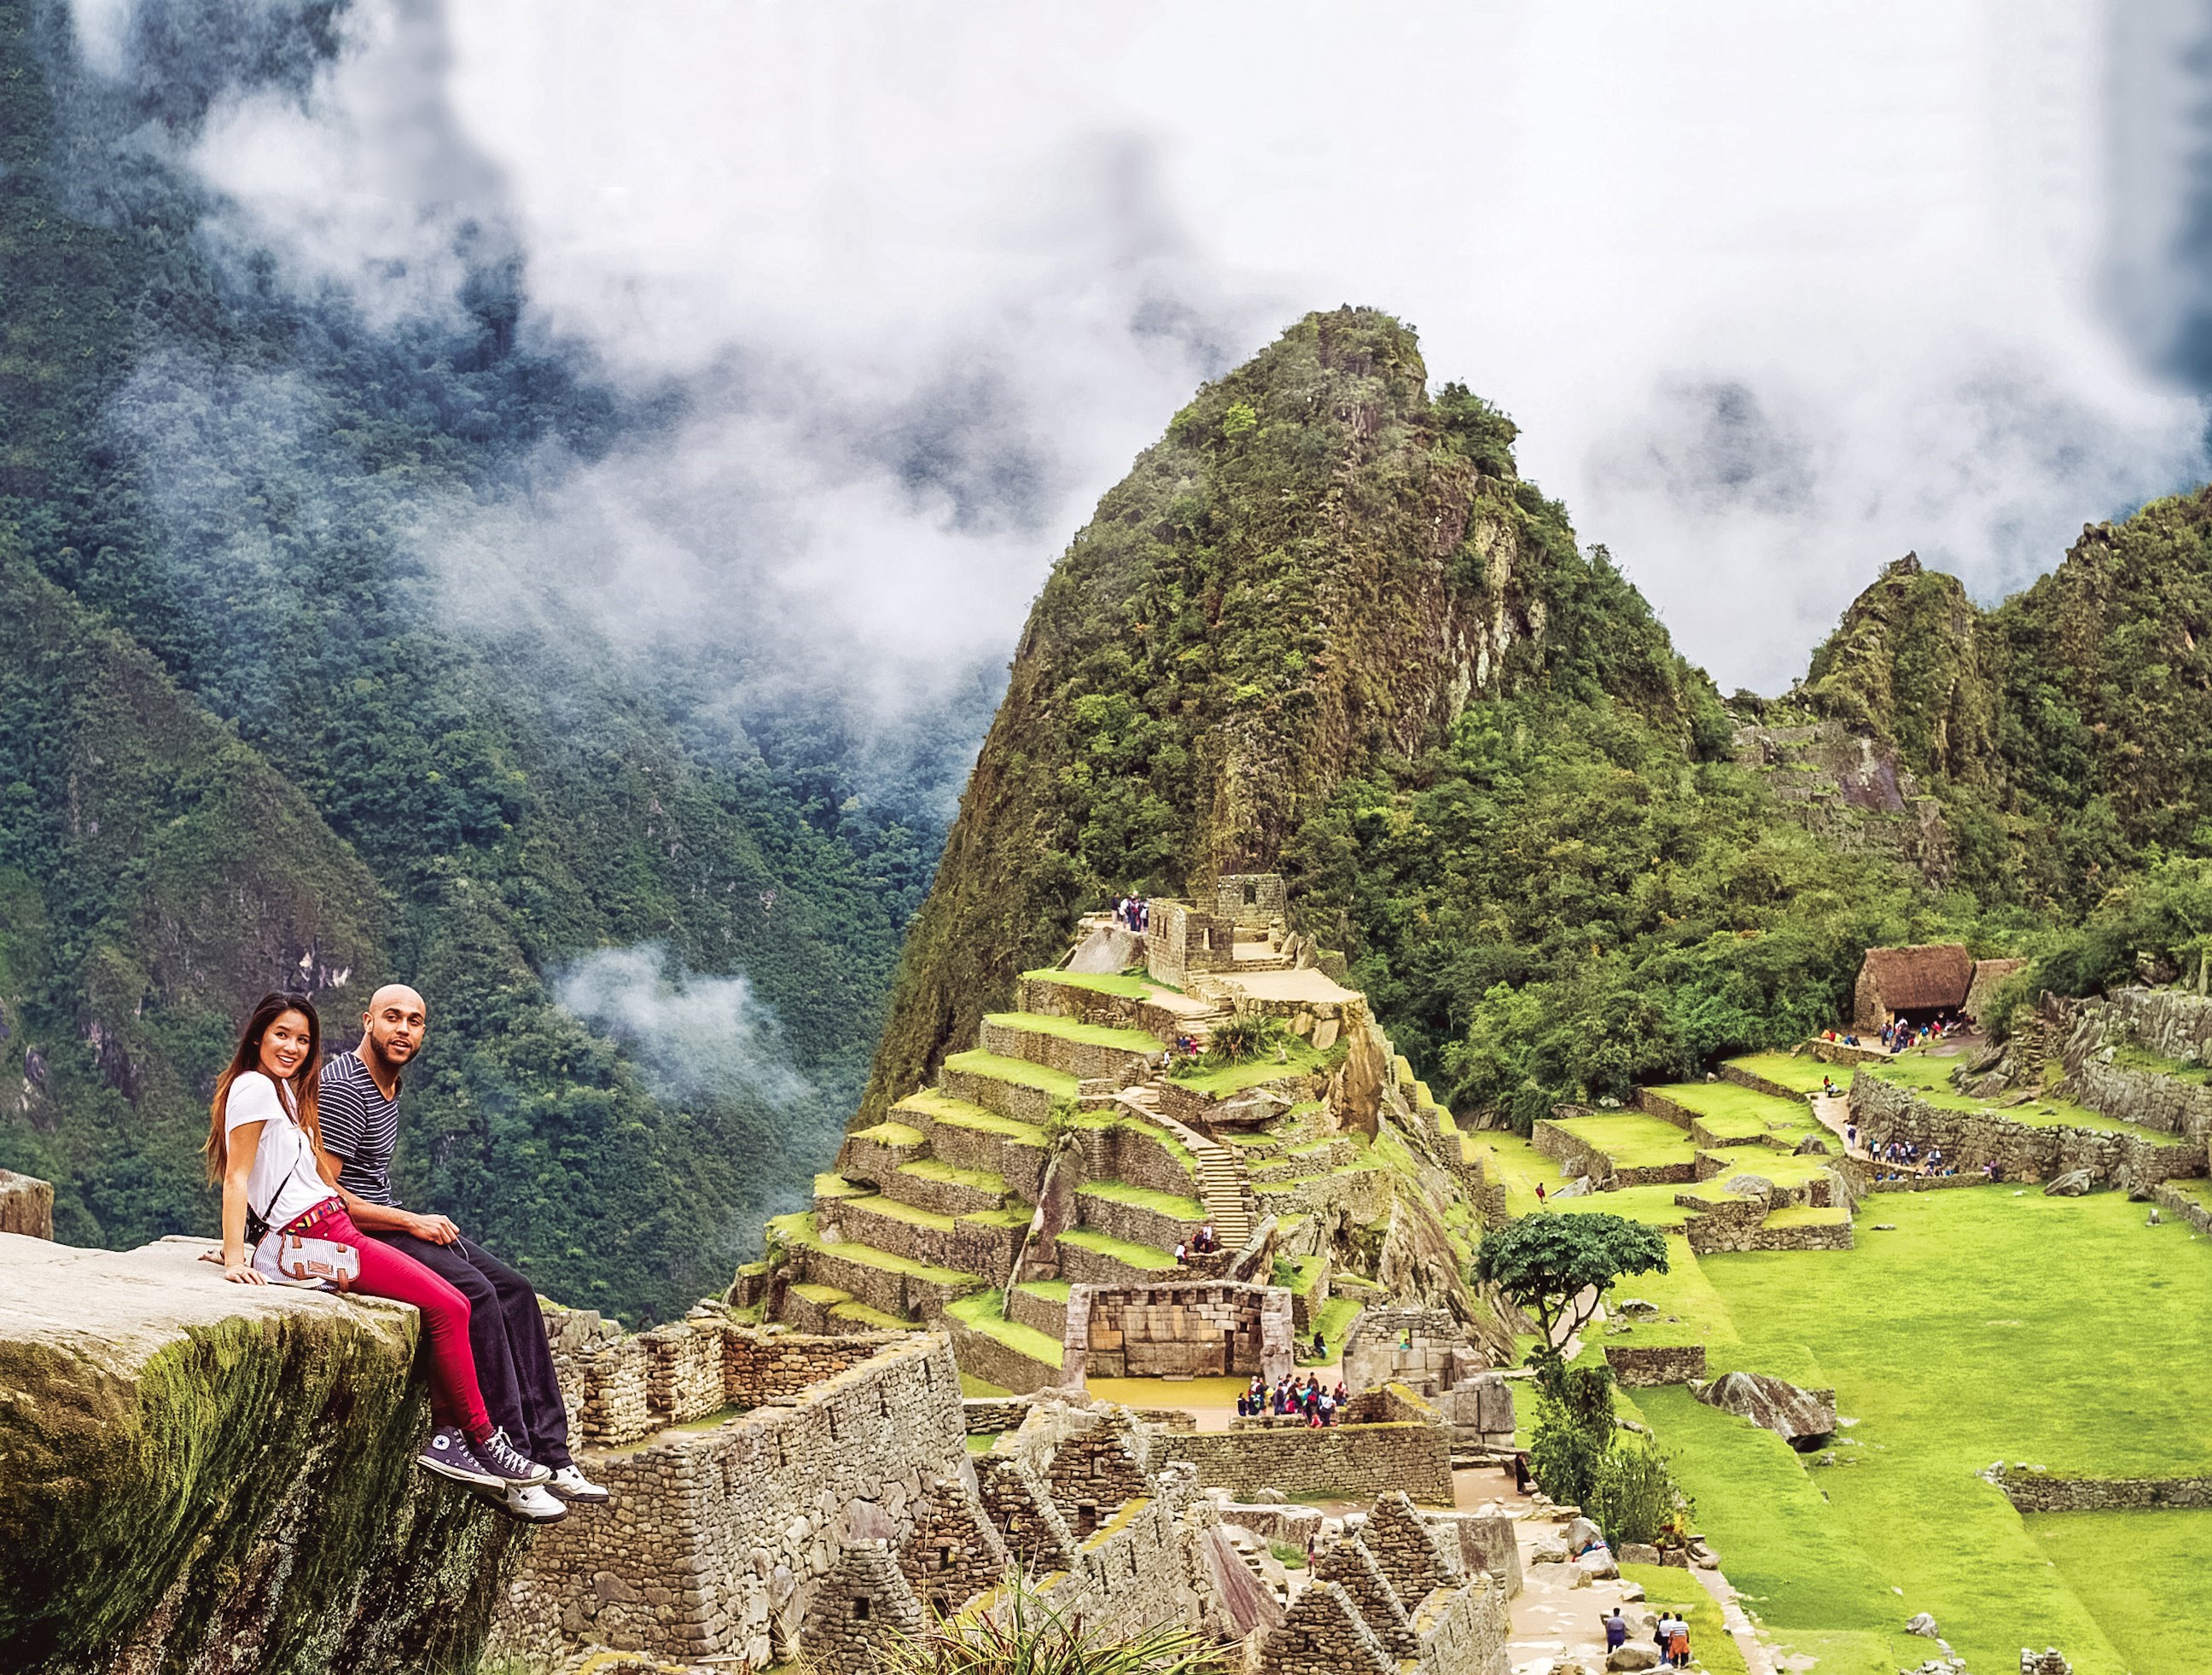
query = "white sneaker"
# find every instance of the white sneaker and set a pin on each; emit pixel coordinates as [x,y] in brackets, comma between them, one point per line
[570,1484]
[532,1504]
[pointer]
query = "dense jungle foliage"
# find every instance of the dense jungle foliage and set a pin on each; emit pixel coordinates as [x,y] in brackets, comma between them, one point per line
[239,744]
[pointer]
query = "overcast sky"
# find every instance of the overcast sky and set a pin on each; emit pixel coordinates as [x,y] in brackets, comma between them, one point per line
[1776,292]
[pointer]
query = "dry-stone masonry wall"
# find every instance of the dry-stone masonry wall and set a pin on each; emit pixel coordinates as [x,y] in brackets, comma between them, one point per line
[2048,1492]
[719,1538]
[1642,1366]
[2020,1152]
[1348,1462]
[1178,1330]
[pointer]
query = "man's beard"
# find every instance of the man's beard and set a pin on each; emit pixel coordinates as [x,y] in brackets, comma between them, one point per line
[384,1058]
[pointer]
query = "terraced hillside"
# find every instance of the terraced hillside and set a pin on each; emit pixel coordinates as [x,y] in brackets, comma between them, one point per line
[1094,1130]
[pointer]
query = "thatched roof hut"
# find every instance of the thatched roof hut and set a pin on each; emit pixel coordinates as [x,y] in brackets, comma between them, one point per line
[1922,980]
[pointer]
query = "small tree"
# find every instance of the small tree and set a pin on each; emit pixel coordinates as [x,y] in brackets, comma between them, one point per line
[1557,1268]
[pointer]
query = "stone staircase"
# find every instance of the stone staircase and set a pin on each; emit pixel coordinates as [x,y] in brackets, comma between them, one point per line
[926,1211]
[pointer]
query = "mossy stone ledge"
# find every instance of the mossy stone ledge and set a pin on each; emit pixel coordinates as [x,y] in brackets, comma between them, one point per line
[192,1470]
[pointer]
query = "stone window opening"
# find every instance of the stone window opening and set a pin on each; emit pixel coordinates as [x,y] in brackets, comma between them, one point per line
[1251,894]
[860,1609]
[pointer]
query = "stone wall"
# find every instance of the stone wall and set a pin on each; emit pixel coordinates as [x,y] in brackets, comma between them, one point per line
[1256,899]
[1971,1139]
[1653,1103]
[1758,1084]
[996,1362]
[1181,942]
[1577,1156]
[2188,1208]
[2045,1491]
[718,1538]
[1424,1348]
[1644,1366]
[2170,1023]
[26,1205]
[1048,999]
[1348,1462]
[1178,1330]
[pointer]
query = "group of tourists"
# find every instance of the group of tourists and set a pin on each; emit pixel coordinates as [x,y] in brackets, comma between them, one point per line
[1288,1398]
[302,1151]
[1133,914]
[1897,1159]
[1672,1634]
[1899,1034]
[1201,1243]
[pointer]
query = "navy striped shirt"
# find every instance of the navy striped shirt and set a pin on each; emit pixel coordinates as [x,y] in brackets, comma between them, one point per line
[361,1128]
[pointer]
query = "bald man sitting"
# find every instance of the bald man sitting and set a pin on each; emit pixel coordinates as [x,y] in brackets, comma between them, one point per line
[360,1115]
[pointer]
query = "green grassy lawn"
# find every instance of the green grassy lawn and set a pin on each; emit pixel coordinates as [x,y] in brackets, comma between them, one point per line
[1143,1197]
[980,1313]
[1783,1168]
[1335,1319]
[1929,1077]
[1653,1206]
[1130,988]
[1743,1109]
[943,1107]
[1234,1078]
[1804,1215]
[2128,1056]
[1519,1165]
[2143,1575]
[1803,1072]
[1020,1071]
[1631,1139]
[1104,1244]
[951,1175]
[2058,1332]
[1052,1290]
[895,1133]
[1069,1030]
[1690,1310]
[1708,1636]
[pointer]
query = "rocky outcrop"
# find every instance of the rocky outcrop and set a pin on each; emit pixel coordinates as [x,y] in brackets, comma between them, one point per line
[26,1205]
[194,1469]
[1803,1418]
[2020,1151]
[2138,1055]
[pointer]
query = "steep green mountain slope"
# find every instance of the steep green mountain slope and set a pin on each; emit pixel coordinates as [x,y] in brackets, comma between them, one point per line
[2069,730]
[214,488]
[1324,625]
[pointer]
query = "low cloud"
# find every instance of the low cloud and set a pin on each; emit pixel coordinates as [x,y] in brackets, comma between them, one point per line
[1775,294]
[694,1037]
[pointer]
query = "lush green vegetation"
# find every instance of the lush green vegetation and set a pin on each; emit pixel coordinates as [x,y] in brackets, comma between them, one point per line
[1988,1326]
[239,744]
[2142,1576]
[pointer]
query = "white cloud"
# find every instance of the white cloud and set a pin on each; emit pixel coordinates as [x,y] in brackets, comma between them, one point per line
[694,1037]
[933,274]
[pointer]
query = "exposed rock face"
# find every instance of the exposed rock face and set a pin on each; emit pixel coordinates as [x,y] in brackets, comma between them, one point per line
[195,1468]
[2071,1185]
[26,1205]
[1803,1418]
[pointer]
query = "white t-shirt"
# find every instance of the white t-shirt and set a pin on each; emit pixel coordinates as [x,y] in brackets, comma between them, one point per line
[284,1184]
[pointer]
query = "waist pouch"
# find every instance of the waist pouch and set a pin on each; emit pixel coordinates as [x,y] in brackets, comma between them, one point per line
[304,1259]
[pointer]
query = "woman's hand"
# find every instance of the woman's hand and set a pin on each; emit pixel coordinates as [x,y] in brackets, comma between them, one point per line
[239,1274]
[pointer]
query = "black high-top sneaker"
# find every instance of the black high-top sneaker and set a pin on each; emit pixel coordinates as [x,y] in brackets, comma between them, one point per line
[449,1454]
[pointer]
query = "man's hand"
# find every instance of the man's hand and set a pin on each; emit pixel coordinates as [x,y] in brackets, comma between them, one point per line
[438,1229]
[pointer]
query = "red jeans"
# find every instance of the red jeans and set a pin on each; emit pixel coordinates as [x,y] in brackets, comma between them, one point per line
[455,1397]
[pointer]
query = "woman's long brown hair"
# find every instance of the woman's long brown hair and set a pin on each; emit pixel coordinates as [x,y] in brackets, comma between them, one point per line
[307,1081]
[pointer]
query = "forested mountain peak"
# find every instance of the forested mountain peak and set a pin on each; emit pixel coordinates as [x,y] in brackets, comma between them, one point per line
[1313,580]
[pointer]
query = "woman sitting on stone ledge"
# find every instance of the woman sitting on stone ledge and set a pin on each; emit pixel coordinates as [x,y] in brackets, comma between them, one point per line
[262,1147]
